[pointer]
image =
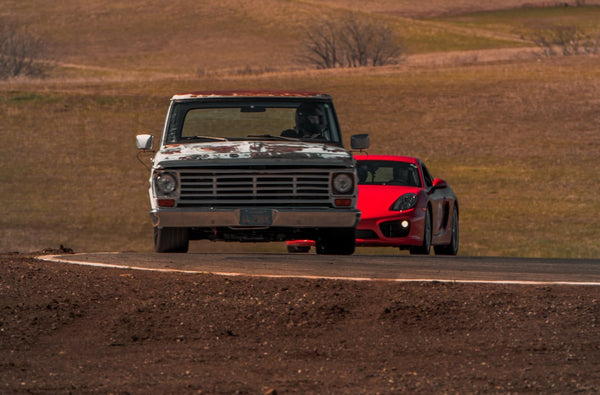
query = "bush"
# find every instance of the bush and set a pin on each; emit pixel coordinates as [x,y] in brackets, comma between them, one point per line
[19,53]
[351,42]
[566,40]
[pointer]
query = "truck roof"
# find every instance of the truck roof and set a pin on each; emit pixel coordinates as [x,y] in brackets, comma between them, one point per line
[249,93]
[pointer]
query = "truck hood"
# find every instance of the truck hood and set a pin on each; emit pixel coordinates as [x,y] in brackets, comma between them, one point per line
[250,152]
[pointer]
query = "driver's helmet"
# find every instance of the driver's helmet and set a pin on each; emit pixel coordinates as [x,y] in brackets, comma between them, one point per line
[363,172]
[310,118]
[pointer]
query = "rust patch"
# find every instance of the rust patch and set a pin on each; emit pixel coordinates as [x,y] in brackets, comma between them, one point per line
[172,150]
[252,150]
[287,155]
[222,149]
[247,93]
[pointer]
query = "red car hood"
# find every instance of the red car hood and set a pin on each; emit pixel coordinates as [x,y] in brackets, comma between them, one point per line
[375,200]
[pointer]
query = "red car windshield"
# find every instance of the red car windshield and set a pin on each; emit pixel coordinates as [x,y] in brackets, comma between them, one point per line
[382,172]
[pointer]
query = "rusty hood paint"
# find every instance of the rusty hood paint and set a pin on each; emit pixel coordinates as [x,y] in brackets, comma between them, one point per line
[240,152]
[248,93]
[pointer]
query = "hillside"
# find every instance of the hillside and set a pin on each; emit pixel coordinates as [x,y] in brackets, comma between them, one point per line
[182,38]
[515,134]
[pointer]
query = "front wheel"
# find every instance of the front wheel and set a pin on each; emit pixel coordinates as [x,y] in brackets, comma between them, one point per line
[452,248]
[336,242]
[425,248]
[171,240]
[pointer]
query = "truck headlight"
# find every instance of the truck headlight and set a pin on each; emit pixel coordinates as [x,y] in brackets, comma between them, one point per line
[343,184]
[166,183]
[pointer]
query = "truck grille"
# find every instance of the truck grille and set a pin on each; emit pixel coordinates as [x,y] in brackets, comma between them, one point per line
[239,187]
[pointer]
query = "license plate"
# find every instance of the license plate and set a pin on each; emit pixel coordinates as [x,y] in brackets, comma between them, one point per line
[256,217]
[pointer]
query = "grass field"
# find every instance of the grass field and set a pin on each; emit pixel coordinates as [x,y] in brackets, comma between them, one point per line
[517,140]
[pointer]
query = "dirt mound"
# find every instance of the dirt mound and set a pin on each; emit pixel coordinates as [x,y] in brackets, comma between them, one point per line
[80,329]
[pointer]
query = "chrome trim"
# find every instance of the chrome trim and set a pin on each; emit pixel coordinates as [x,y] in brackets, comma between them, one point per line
[281,217]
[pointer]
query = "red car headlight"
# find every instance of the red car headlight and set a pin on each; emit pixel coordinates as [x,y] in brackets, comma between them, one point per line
[404,202]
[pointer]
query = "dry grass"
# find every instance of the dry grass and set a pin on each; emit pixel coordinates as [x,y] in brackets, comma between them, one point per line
[187,38]
[518,140]
[420,9]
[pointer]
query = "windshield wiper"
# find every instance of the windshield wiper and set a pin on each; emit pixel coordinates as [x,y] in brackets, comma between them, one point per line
[206,138]
[271,137]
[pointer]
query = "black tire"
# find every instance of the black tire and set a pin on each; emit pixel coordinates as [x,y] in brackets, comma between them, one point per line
[298,249]
[336,242]
[424,249]
[171,240]
[452,248]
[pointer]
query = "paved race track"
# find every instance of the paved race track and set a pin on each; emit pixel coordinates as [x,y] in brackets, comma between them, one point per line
[356,267]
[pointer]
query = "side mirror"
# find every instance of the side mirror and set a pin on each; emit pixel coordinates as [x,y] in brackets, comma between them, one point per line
[360,141]
[145,142]
[438,183]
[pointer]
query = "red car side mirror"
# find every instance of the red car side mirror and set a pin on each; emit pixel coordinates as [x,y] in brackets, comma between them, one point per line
[438,183]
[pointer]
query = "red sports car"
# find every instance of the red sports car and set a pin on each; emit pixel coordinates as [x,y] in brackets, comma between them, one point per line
[403,206]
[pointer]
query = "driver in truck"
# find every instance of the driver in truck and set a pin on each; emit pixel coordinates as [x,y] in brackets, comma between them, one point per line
[310,123]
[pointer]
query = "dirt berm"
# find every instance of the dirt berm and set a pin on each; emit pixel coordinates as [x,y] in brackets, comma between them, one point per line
[76,329]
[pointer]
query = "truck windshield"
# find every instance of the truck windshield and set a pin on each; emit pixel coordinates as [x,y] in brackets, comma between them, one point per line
[199,122]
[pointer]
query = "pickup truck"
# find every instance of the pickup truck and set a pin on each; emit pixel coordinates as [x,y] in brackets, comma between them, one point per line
[253,166]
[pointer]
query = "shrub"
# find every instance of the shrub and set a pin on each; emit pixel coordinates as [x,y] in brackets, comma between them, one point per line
[566,40]
[19,53]
[351,42]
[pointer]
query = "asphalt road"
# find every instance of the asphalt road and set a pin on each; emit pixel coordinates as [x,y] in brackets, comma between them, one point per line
[356,267]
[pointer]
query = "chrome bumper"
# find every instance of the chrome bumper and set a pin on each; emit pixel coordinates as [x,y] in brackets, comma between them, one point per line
[255,217]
